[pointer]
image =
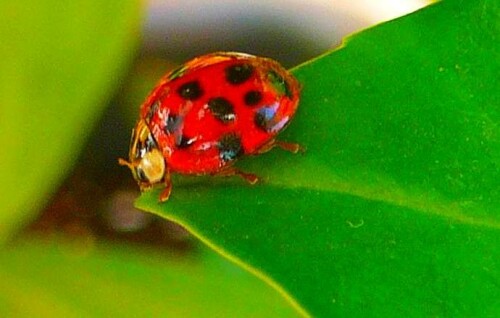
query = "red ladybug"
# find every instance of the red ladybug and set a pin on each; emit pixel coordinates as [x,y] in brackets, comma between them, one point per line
[207,113]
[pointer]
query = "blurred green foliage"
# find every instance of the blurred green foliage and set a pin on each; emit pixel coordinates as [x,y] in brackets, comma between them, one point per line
[59,63]
[62,278]
[394,208]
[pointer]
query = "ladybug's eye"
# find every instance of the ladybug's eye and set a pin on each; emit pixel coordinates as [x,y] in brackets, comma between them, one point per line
[141,175]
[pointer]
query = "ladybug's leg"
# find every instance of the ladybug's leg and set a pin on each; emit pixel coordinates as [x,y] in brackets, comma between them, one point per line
[288,146]
[232,171]
[165,194]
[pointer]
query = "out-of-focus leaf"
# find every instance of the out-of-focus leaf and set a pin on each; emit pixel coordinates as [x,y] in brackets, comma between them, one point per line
[58,63]
[75,279]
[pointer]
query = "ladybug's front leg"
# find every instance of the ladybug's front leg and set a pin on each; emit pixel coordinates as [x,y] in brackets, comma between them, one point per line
[165,194]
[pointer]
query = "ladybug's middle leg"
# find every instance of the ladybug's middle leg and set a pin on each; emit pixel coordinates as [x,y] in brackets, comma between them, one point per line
[232,171]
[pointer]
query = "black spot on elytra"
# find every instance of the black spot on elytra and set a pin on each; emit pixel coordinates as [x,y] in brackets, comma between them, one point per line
[252,98]
[239,73]
[190,90]
[279,83]
[222,109]
[184,142]
[229,147]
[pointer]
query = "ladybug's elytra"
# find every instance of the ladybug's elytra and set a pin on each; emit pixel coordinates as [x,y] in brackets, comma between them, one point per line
[204,115]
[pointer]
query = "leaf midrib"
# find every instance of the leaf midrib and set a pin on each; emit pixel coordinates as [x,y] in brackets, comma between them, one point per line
[423,203]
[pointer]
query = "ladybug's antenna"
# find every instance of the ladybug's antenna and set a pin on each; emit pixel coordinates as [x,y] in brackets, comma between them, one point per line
[123,162]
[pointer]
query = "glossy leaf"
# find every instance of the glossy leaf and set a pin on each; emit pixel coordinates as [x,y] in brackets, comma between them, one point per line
[82,278]
[394,209]
[59,62]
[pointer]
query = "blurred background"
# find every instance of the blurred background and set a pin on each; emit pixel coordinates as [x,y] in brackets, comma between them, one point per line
[62,131]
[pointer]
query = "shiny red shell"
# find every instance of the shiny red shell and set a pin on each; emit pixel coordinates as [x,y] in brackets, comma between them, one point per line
[216,108]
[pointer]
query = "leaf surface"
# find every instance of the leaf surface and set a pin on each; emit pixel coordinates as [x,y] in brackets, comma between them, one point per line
[394,209]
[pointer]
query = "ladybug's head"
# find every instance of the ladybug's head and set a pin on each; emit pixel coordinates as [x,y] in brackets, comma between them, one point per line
[145,159]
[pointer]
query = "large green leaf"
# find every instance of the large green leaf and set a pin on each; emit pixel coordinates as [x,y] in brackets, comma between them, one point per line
[394,208]
[58,63]
[85,279]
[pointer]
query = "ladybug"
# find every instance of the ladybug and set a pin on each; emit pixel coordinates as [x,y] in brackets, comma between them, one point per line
[204,115]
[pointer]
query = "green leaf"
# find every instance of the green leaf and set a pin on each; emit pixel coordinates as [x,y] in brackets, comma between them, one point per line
[82,278]
[394,208]
[59,62]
